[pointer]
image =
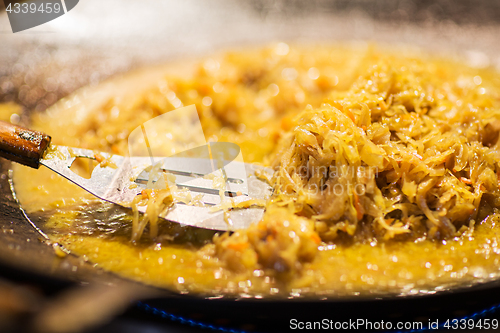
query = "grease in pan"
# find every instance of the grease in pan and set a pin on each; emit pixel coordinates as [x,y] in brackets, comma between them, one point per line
[386,182]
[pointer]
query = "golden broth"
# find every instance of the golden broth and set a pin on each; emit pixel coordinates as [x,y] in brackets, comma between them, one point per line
[250,98]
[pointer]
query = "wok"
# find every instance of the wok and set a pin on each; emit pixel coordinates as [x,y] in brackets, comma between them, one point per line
[98,40]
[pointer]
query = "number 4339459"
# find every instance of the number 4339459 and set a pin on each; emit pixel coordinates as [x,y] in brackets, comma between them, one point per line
[463,324]
[34,8]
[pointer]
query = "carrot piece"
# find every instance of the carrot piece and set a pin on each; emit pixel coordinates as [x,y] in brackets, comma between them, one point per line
[287,123]
[389,221]
[359,208]
[349,114]
[316,239]
[115,149]
[99,158]
[237,246]
[465,181]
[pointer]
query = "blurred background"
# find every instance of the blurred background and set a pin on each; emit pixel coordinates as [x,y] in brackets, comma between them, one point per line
[100,39]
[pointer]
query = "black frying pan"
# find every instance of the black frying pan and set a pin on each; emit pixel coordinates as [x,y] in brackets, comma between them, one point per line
[32,61]
[26,258]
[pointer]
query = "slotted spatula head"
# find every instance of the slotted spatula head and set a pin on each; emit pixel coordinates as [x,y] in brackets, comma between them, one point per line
[121,179]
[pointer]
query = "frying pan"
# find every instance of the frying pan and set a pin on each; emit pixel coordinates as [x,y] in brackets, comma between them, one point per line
[98,40]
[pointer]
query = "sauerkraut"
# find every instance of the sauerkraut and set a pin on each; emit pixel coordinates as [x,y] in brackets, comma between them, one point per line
[398,155]
[385,176]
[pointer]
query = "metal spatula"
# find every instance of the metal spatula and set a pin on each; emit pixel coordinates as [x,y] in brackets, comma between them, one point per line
[120,179]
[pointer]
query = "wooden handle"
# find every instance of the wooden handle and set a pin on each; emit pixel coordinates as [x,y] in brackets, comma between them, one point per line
[22,145]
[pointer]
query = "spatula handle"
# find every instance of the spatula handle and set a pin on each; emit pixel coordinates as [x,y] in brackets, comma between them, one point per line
[22,145]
